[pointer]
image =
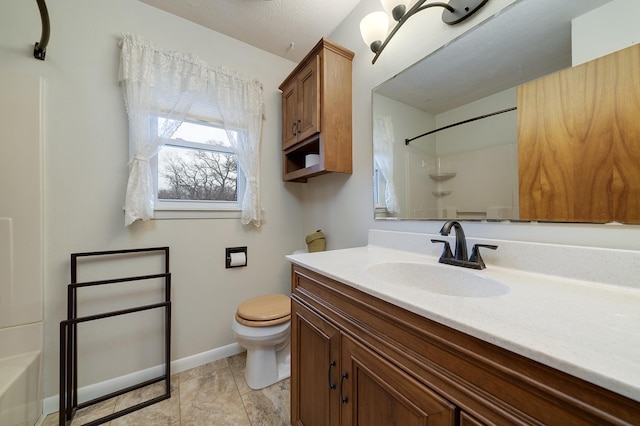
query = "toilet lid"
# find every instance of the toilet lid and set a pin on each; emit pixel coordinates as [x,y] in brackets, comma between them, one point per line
[263,311]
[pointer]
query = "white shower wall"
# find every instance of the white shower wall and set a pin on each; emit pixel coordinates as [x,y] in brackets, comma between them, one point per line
[21,247]
[21,195]
[484,156]
[484,186]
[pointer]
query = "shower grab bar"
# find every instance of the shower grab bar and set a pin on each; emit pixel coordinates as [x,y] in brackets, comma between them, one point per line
[40,48]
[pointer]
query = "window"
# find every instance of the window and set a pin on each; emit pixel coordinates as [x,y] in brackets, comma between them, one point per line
[379,190]
[162,90]
[196,170]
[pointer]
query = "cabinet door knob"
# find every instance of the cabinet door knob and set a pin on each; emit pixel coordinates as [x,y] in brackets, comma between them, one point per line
[344,399]
[299,126]
[293,129]
[331,385]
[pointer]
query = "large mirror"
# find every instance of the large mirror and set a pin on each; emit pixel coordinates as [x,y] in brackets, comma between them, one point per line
[466,171]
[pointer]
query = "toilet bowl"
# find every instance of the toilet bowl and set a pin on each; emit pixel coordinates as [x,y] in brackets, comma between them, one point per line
[262,326]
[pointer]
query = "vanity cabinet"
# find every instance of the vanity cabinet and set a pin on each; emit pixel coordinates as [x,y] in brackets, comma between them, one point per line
[359,360]
[338,381]
[316,113]
[372,391]
[579,142]
[314,372]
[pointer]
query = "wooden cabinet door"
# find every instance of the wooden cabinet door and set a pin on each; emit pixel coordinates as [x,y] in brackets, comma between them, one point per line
[289,115]
[467,420]
[309,99]
[315,350]
[579,142]
[374,392]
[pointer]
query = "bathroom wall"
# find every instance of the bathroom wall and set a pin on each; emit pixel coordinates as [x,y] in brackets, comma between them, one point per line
[592,39]
[343,205]
[85,172]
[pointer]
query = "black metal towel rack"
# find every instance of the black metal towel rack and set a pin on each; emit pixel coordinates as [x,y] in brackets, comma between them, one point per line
[69,342]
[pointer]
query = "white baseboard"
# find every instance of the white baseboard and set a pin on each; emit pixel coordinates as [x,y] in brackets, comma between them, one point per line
[87,393]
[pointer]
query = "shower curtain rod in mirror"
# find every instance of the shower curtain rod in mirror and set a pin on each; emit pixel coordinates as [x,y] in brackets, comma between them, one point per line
[407,141]
[40,49]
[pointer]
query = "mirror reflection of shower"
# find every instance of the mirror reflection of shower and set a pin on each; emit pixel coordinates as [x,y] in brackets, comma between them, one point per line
[465,171]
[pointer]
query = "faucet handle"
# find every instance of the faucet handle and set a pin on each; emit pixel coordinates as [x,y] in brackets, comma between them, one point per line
[475,254]
[446,251]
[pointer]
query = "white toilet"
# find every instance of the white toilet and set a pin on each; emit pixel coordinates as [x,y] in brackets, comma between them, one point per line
[262,326]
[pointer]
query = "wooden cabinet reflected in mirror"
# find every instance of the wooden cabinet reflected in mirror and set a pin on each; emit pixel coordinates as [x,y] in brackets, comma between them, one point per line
[579,142]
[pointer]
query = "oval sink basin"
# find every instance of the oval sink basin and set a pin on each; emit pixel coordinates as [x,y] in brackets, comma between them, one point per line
[440,279]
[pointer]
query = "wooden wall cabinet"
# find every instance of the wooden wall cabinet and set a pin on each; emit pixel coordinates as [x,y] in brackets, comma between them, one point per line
[358,360]
[316,113]
[579,142]
[300,104]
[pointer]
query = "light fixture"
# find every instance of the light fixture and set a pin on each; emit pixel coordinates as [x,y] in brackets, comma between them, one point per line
[375,26]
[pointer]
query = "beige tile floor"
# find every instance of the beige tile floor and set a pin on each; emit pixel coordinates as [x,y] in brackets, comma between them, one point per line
[209,395]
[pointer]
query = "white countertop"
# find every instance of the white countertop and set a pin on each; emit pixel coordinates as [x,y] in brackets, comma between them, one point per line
[589,330]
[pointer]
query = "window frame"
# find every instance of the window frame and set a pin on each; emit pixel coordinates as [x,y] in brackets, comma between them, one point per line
[195,209]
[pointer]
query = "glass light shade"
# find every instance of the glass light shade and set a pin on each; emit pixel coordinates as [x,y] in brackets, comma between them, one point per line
[374,27]
[390,4]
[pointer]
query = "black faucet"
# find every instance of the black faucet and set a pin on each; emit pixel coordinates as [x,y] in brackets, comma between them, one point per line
[461,240]
[460,257]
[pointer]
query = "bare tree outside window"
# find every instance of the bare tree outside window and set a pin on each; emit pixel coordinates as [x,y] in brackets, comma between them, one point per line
[199,175]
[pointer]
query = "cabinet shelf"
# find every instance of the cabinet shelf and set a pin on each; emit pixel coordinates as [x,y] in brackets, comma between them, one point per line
[301,175]
[441,176]
[293,160]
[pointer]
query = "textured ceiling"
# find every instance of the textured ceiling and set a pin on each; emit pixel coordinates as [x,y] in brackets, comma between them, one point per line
[287,28]
[527,39]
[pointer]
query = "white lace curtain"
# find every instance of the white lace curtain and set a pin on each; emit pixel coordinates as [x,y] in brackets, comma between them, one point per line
[383,153]
[156,82]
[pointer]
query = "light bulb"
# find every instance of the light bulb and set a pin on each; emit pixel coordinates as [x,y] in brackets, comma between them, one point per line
[374,28]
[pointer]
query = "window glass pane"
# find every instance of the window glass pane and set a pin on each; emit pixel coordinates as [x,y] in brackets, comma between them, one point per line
[198,175]
[199,132]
